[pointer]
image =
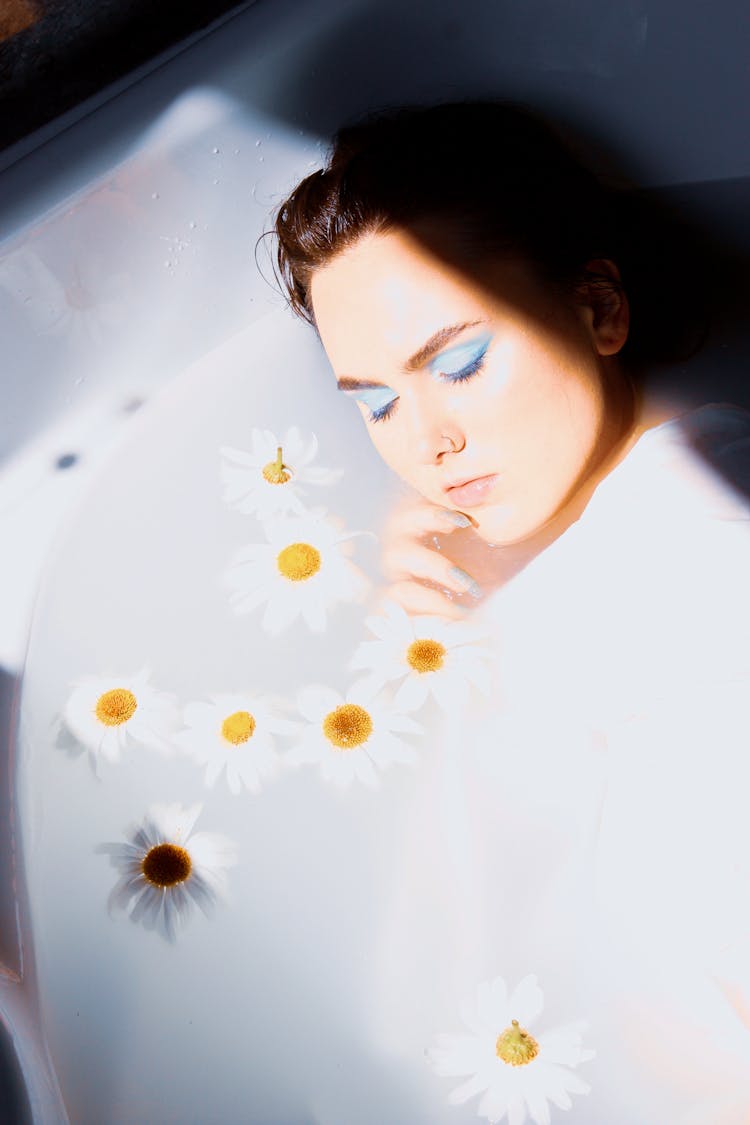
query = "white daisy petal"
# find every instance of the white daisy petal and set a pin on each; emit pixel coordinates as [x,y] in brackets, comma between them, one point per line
[255,484]
[527,1000]
[237,733]
[302,571]
[351,738]
[105,714]
[503,1060]
[429,654]
[315,701]
[166,870]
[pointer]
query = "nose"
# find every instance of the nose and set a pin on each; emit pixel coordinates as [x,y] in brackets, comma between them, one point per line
[433,432]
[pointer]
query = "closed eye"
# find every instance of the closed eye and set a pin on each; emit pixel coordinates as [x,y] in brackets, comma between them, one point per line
[456,365]
[379,401]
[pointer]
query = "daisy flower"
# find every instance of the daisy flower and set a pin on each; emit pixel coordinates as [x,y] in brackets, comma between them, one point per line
[430,654]
[85,301]
[166,869]
[302,571]
[236,732]
[518,1074]
[103,713]
[350,738]
[270,480]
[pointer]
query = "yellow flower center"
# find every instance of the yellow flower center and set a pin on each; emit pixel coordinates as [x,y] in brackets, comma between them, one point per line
[298,562]
[425,655]
[515,1046]
[348,726]
[238,728]
[276,472]
[166,865]
[116,707]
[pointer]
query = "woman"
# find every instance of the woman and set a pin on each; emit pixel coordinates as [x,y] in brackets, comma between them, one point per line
[491,306]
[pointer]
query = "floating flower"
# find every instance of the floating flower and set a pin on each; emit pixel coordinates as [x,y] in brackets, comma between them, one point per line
[270,480]
[103,713]
[167,870]
[302,571]
[351,738]
[85,301]
[434,655]
[518,1073]
[237,732]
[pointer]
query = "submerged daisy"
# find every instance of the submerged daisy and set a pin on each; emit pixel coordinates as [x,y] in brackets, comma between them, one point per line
[237,732]
[270,480]
[104,712]
[434,655]
[166,869]
[303,570]
[350,738]
[518,1073]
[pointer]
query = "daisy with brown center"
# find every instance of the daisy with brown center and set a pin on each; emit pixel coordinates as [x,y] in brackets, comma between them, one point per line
[103,713]
[432,655]
[518,1073]
[236,733]
[271,479]
[302,571]
[166,869]
[351,738]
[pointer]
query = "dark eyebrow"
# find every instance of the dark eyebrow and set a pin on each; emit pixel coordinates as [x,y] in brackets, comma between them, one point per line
[345,383]
[435,344]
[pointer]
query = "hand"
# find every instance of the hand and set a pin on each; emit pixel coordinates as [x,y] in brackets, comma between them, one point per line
[422,578]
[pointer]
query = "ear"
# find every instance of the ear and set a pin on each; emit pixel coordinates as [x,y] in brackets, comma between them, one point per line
[604,305]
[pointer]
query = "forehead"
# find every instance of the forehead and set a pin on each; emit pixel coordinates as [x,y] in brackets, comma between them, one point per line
[378,301]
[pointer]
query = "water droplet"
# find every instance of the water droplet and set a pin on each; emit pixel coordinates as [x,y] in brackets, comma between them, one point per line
[215,151]
[217,181]
[154,195]
[236,152]
[168,265]
[261,159]
[192,224]
[79,380]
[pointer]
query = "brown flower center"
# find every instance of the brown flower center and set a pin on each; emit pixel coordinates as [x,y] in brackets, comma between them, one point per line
[116,707]
[298,562]
[515,1046]
[425,655]
[238,728]
[166,865]
[348,726]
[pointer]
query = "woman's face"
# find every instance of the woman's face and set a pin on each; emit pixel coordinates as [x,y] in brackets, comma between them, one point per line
[488,406]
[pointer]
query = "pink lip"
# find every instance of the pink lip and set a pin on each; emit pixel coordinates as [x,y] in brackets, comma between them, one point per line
[471,493]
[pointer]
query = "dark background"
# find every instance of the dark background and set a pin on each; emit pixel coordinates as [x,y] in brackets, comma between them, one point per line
[55,55]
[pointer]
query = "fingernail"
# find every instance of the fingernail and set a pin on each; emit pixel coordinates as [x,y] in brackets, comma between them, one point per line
[456,518]
[466,580]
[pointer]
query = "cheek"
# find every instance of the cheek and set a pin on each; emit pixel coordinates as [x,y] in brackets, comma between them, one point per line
[384,438]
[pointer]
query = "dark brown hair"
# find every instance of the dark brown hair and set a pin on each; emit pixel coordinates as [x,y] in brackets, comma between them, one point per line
[497,180]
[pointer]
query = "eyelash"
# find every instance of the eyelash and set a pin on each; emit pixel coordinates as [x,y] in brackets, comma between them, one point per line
[461,376]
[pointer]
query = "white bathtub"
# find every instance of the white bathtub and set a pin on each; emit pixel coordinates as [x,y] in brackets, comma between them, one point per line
[128,281]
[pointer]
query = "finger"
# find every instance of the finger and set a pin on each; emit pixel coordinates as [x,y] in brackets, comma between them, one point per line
[424,518]
[418,599]
[409,560]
